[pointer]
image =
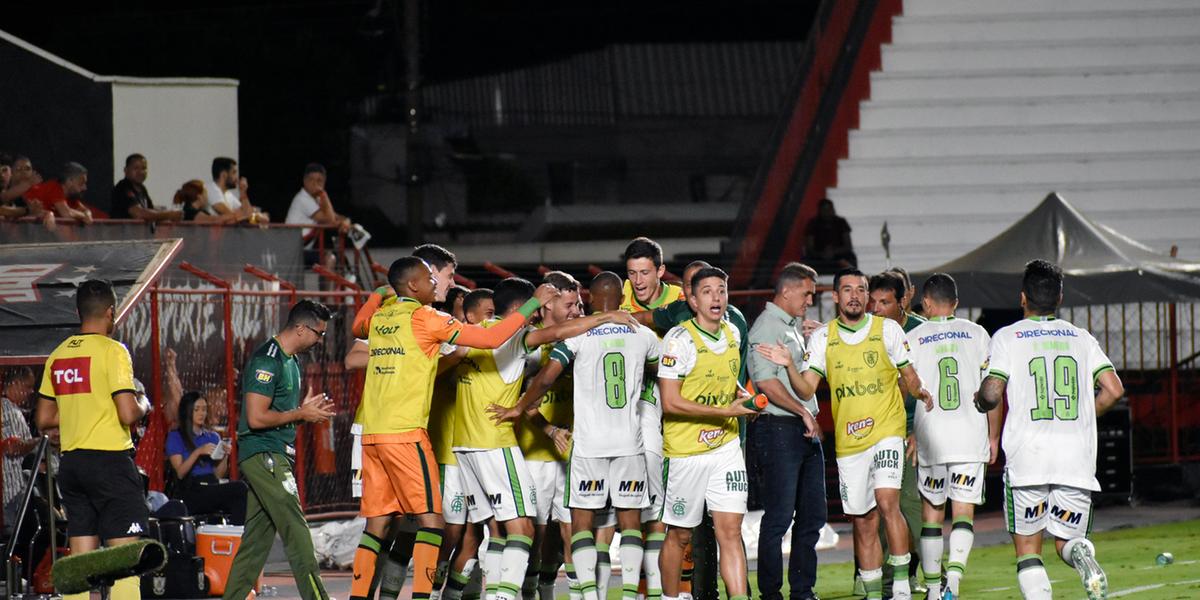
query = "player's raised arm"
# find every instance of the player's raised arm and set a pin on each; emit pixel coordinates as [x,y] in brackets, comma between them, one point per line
[493,337]
[574,327]
[362,319]
[804,383]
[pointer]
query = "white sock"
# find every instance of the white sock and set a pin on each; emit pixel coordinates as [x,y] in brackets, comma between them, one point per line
[603,570]
[654,544]
[456,583]
[1032,578]
[583,554]
[573,584]
[931,557]
[491,566]
[900,587]
[631,551]
[962,537]
[1065,554]
[513,564]
[872,582]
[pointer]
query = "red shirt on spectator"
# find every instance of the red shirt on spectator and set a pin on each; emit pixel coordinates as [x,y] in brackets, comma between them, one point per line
[49,193]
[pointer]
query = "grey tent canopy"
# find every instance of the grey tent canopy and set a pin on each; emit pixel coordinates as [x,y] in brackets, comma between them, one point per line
[1102,266]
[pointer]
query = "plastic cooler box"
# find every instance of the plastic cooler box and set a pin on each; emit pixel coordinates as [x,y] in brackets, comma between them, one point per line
[218,544]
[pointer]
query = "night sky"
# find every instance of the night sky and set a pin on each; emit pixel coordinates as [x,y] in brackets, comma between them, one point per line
[303,66]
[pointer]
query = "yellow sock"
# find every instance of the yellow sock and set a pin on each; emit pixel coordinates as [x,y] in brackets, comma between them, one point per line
[129,588]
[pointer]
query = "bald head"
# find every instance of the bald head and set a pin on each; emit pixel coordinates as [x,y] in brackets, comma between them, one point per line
[605,291]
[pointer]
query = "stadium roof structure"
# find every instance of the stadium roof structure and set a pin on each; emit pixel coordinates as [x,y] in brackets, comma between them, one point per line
[1102,266]
[38,281]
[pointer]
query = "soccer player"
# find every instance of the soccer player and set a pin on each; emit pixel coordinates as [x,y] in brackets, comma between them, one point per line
[864,358]
[493,468]
[87,392]
[405,339]
[606,463]
[952,440]
[1048,368]
[703,462]
[644,289]
[890,295]
[266,434]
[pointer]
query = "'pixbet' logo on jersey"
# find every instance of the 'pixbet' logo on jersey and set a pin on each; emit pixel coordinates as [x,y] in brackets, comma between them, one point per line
[858,389]
[71,375]
[711,437]
[860,428]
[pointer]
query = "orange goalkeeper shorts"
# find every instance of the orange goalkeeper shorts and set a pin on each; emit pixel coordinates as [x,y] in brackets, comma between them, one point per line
[399,476]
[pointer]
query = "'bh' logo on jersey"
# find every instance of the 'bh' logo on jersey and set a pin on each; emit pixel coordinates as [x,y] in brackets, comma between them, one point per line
[71,375]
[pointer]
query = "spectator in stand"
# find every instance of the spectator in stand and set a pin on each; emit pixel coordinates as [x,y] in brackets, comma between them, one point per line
[827,245]
[200,460]
[228,193]
[12,202]
[9,208]
[18,384]
[64,196]
[131,200]
[312,206]
[193,200]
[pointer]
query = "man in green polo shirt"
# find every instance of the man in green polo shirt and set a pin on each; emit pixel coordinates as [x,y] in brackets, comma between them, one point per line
[266,434]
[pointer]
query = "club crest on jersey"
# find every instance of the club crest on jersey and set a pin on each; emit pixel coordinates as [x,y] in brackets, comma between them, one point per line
[871,357]
[711,437]
[263,376]
[733,367]
[861,428]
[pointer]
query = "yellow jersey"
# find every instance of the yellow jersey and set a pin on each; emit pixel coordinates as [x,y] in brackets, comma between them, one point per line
[441,419]
[82,375]
[557,408]
[708,366]
[865,396]
[668,294]
[487,377]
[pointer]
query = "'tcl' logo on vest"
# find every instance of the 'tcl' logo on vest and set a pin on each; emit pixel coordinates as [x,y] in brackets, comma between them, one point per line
[71,375]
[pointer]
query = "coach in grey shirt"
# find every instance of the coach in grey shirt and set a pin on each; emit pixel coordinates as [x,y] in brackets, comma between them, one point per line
[785,444]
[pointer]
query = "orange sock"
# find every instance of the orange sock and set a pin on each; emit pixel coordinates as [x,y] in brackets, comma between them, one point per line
[425,555]
[689,567]
[364,566]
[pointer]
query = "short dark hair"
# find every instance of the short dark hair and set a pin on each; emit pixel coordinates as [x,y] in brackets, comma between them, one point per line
[697,264]
[452,294]
[1043,286]
[940,287]
[706,273]
[93,297]
[308,312]
[512,293]
[887,280]
[71,170]
[792,274]
[437,256]
[14,374]
[401,270]
[847,272]
[221,164]
[313,167]
[562,281]
[132,157]
[644,247]
[903,276]
[6,159]
[475,297]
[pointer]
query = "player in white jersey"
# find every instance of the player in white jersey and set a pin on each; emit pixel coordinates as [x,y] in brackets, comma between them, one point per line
[952,438]
[606,462]
[1049,369]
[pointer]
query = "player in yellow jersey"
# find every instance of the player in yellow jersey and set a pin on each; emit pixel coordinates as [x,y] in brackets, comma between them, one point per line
[405,340]
[703,463]
[493,467]
[644,289]
[864,358]
[87,392]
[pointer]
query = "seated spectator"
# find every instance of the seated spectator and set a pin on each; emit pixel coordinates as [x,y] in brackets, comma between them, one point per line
[193,200]
[18,386]
[200,459]
[21,177]
[131,200]
[64,196]
[827,244]
[312,206]
[225,200]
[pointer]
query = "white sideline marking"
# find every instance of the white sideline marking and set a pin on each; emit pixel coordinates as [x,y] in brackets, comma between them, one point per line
[1146,588]
[1182,562]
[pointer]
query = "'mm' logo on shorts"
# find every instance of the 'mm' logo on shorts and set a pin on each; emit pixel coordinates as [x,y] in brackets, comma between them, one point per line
[934,484]
[634,486]
[494,499]
[1066,516]
[962,480]
[1035,511]
[591,485]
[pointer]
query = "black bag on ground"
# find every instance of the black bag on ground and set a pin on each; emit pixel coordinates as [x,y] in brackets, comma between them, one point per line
[183,577]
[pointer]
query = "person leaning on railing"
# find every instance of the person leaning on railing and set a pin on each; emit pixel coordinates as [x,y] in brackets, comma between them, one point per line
[200,459]
[194,201]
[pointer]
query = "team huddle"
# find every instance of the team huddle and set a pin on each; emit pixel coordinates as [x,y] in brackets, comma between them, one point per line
[628,422]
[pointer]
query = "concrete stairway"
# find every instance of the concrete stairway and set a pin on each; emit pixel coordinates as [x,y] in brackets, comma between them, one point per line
[984,107]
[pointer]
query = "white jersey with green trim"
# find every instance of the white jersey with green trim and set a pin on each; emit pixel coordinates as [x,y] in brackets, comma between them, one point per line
[609,362]
[949,356]
[1051,367]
